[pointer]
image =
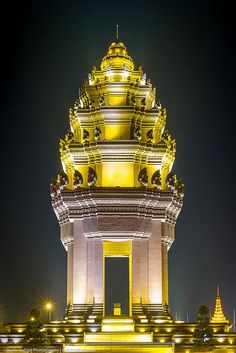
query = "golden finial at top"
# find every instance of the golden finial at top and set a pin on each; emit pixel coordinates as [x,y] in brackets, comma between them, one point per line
[117,57]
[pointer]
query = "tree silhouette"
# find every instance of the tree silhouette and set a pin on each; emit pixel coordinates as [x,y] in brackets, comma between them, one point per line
[34,334]
[203,334]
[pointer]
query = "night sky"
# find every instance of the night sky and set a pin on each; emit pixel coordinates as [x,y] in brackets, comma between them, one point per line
[187,49]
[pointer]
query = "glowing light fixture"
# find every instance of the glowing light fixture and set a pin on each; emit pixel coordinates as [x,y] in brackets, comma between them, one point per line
[75,321]
[144,321]
[49,306]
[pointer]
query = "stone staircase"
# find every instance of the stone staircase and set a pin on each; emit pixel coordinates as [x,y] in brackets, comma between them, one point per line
[157,313]
[79,313]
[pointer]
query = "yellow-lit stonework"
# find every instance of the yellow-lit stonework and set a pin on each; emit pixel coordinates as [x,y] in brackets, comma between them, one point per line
[117,196]
[116,123]
[218,316]
[117,185]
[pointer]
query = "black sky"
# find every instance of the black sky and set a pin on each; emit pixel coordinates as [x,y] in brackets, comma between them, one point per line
[187,49]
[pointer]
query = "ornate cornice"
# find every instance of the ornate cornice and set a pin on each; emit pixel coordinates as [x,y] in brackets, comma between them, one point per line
[117,212]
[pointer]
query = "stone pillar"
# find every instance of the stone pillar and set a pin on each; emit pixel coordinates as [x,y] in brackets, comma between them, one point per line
[165,297]
[90,270]
[144,270]
[70,273]
[155,264]
[168,235]
[136,258]
[98,271]
[67,238]
[79,265]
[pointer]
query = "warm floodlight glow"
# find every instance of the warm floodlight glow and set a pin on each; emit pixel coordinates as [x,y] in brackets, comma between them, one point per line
[162,340]
[134,337]
[93,329]
[49,306]
[144,321]
[168,330]
[117,325]
[178,340]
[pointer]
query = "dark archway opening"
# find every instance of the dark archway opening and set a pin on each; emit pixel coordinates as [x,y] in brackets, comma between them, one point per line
[116,284]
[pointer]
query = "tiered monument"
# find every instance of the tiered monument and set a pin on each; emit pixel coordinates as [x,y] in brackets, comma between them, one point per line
[118,198]
[117,195]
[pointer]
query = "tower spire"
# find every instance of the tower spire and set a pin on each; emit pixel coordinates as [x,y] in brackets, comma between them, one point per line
[117,32]
[218,316]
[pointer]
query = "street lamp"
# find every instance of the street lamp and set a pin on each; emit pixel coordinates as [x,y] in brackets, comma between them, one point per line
[49,307]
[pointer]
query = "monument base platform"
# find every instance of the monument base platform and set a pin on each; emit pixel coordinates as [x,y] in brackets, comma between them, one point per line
[120,348]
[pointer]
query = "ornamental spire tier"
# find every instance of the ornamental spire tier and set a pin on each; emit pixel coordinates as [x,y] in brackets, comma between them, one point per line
[117,195]
[218,316]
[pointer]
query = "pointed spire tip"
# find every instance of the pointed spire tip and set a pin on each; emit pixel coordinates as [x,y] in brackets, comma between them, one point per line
[117,32]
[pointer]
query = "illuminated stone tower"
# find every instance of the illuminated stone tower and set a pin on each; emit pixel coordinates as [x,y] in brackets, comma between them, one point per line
[117,195]
[117,201]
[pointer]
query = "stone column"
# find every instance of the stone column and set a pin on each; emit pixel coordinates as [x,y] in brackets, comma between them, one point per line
[79,265]
[144,270]
[155,264]
[67,238]
[168,235]
[136,258]
[70,273]
[98,271]
[90,270]
[165,297]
